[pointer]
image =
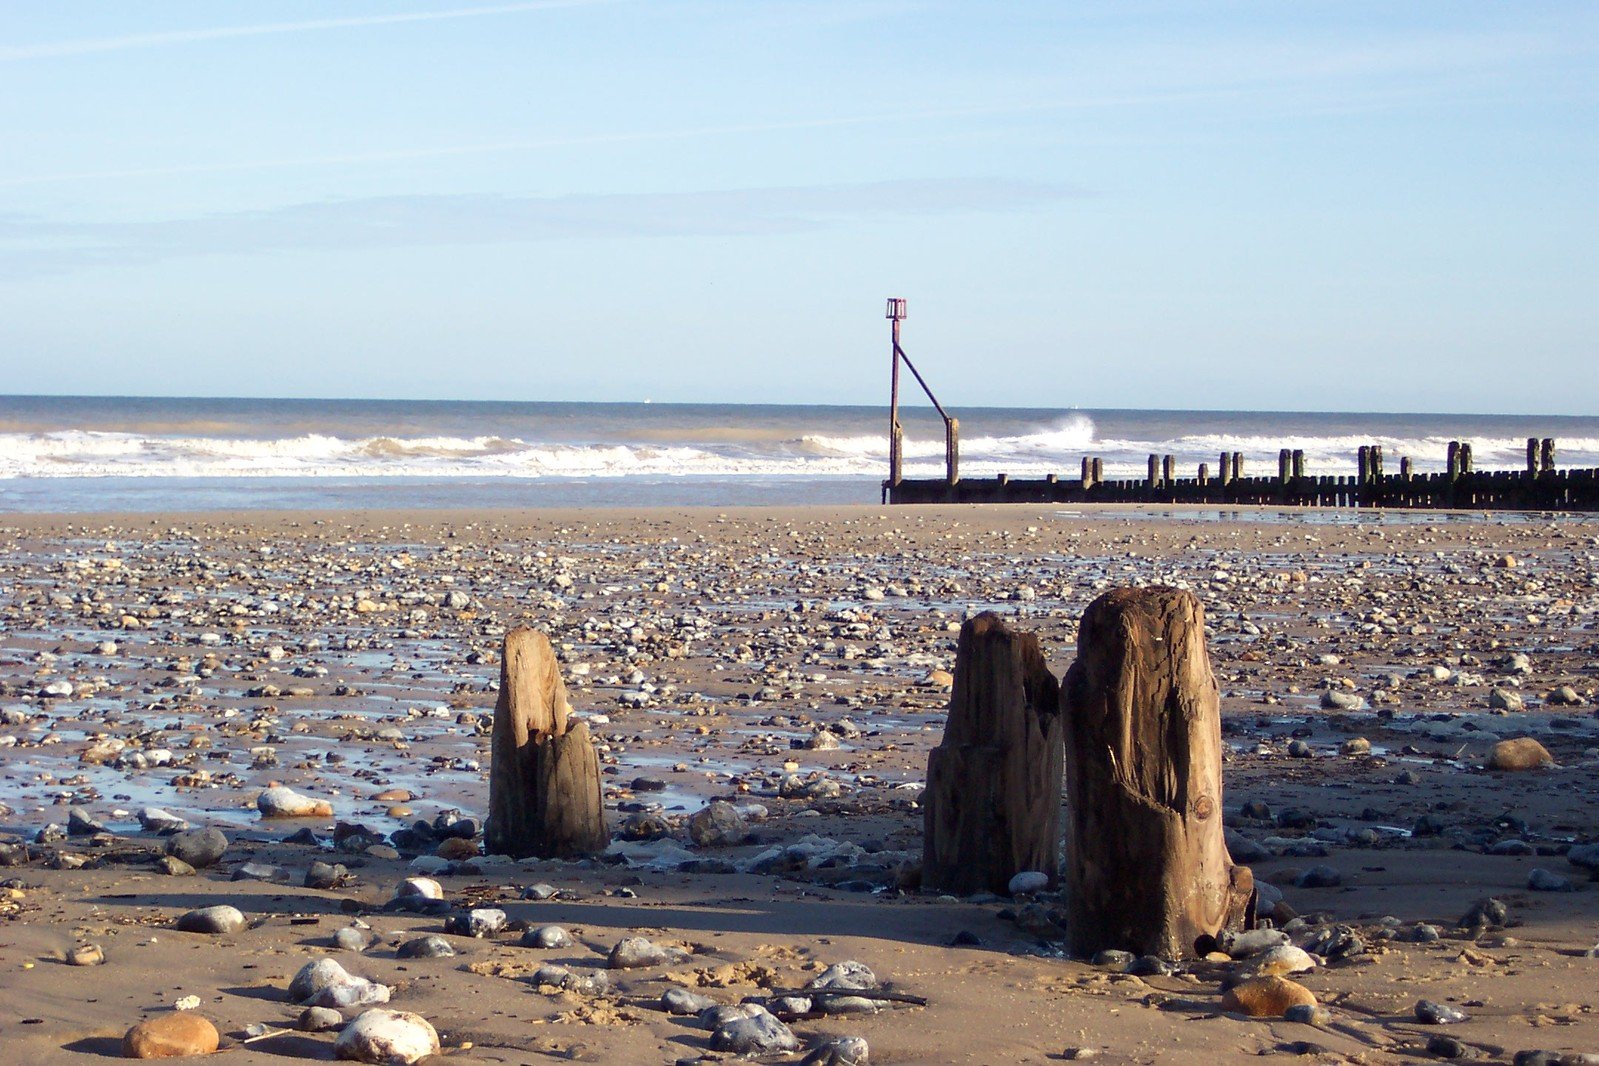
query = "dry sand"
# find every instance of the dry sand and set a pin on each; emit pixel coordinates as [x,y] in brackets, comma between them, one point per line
[351,655]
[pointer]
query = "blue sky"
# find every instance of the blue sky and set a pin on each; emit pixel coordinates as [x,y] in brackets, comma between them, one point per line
[1306,205]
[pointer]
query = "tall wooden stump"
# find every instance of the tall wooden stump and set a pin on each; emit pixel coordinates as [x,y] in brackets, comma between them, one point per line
[992,807]
[544,780]
[1147,867]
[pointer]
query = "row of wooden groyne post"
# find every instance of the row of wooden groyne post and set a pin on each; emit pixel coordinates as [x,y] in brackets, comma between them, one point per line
[1540,486]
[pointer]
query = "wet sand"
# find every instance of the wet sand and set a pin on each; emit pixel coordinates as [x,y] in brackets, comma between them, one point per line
[789,661]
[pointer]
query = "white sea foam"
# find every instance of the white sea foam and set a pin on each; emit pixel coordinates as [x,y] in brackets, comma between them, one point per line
[1037,448]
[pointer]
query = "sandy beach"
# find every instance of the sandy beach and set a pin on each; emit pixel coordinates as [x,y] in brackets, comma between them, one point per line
[794,663]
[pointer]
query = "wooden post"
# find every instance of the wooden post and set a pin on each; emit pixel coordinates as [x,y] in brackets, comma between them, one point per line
[544,776]
[1532,456]
[1465,458]
[1546,456]
[896,436]
[1404,468]
[1224,468]
[1363,464]
[1147,867]
[952,451]
[1168,472]
[1099,471]
[992,808]
[1238,466]
[1299,463]
[1285,466]
[1088,473]
[1204,475]
[1154,471]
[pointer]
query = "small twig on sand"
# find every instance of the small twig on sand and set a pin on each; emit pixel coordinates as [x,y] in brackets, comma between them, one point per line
[267,1035]
[850,993]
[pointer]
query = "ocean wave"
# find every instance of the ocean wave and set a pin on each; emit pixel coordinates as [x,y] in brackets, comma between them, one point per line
[1031,451]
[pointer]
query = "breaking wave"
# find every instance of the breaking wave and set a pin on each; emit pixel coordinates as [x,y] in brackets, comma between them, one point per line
[1006,445]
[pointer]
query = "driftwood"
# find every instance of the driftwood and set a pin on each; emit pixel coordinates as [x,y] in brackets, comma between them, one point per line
[544,778]
[992,808]
[1147,863]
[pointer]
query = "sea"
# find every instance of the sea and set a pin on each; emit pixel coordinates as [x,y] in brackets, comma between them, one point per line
[73,454]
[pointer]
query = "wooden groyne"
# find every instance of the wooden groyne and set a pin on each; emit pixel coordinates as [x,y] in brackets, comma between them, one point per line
[1539,487]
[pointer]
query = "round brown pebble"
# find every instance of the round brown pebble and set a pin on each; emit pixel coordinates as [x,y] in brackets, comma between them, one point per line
[1266,997]
[170,1036]
[456,849]
[1519,753]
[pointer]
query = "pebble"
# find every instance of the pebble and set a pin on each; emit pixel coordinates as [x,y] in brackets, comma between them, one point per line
[324,983]
[156,820]
[847,976]
[1266,997]
[421,887]
[718,825]
[636,952]
[1337,943]
[683,1002]
[1519,753]
[1487,913]
[839,1051]
[1308,1014]
[1027,882]
[319,1020]
[173,866]
[351,938]
[1250,942]
[1448,1047]
[86,955]
[540,892]
[1541,880]
[199,848]
[216,921]
[1114,959]
[425,947]
[1319,877]
[1279,961]
[480,922]
[547,937]
[80,823]
[281,801]
[259,871]
[757,1032]
[588,983]
[176,1035]
[1507,699]
[387,1038]
[1430,1013]
[324,876]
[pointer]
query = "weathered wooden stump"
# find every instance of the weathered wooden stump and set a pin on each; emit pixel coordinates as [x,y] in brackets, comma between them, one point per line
[992,808]
[544,778]
[1147,868]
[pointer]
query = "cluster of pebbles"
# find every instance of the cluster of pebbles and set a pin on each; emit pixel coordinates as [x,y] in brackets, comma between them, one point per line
[306,703]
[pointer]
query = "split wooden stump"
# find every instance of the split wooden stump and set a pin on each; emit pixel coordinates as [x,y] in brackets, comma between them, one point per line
[992,808]
[544,777]
[1147,866]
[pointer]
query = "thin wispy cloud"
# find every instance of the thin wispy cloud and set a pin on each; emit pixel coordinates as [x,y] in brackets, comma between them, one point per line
[32,246]
[91,45]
